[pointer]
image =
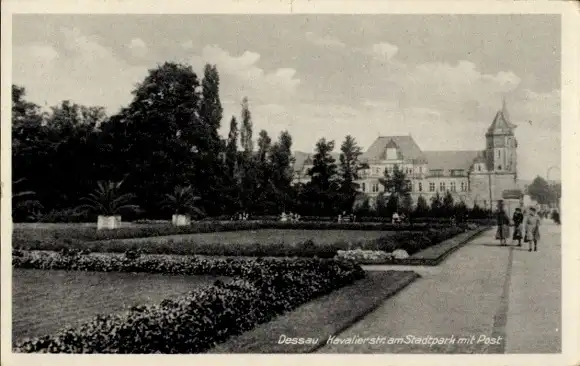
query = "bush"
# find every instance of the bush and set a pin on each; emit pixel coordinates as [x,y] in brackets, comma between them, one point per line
[203,318]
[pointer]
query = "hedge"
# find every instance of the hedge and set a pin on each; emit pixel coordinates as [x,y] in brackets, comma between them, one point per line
[37,238]
[195,322]
[410,241]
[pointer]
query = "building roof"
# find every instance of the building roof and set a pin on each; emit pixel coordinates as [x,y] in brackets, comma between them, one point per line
[407,147]
[501,123]
[301,159]
[450,160]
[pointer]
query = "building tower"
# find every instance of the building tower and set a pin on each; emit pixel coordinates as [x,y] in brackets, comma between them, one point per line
[501,145]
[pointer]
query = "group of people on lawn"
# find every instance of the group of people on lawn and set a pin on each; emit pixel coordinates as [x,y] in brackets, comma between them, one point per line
[526,226]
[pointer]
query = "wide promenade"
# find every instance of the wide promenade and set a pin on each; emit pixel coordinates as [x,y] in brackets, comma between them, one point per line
[483,299]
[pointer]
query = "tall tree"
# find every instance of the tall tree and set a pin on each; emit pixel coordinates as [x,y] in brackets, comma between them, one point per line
[396,185]
[211,107]
[323,187]
[436,205]
[448,204]
[169,141]
[247,128]
[349,168]
[324,169]
[422,207]
[232,147]
[350,153]
[540,191]
[211,112]
[264,144]
[281,160]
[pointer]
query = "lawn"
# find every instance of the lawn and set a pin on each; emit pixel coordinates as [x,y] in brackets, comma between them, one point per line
[274,236]
[45,301]
[262,242]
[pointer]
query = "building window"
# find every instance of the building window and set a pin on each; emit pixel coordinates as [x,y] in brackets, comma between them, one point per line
[452,186]
[431,187]
[420,187]
[391,154]
[364,187]
[442,186]
[462,186]
[375,187]
[498,154]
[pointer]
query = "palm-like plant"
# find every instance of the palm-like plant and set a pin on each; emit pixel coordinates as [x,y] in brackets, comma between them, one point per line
[24,200]
[107,200]
[183,201]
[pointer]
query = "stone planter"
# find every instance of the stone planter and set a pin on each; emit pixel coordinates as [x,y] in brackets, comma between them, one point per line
[181,220]
[108,222]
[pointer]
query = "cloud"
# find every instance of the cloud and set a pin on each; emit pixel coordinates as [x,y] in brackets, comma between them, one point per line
[325,41]
[90,74]
[241,76]
[187,45]
[138,47]
[385,51]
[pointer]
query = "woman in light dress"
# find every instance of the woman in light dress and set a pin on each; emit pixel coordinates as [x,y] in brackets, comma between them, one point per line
[532,224]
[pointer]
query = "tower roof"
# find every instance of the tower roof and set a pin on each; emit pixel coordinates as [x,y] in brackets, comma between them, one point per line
[501,123]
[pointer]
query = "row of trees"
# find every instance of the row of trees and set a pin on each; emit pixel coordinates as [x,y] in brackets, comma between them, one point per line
[167,138]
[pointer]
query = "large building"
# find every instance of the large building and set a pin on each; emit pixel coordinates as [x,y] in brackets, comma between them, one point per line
[475,176]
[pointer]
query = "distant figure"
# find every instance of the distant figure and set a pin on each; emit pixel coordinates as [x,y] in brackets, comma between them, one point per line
[339,218]
[556,216]
[283,217]
[518,219]
[503,221]
[532,224]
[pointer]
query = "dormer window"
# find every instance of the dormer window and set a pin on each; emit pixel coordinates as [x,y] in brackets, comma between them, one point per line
[391,152]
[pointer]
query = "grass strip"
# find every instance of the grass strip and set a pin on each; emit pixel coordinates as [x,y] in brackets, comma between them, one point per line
[321,318]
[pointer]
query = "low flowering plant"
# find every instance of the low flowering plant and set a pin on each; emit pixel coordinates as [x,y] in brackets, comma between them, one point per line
[364,256]
[193,323]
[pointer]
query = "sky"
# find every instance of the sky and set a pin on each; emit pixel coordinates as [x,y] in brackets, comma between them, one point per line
[439,78]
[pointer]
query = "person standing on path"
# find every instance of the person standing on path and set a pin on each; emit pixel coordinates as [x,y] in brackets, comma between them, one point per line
[532,229]
[518,220]
[503,222]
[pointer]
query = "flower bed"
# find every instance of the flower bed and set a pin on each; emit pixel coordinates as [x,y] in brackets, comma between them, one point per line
[419,250]
[364,256]
[196,322]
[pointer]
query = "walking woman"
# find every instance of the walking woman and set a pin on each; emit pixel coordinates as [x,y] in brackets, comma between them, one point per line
[532,230]
[503,222]
[518,220]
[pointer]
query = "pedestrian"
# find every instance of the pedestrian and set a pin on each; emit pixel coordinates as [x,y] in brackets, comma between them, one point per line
[518,219]
[532,229]
[503,221]
[556,216]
